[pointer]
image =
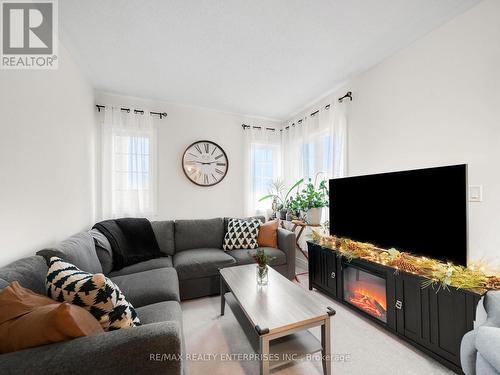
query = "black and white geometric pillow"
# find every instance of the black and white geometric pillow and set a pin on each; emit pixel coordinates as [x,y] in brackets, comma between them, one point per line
[94,292]
[241,234]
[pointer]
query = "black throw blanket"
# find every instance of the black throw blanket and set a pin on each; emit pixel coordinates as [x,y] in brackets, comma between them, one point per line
[132,241]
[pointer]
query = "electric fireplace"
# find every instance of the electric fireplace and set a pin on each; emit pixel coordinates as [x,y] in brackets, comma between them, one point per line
[366,291]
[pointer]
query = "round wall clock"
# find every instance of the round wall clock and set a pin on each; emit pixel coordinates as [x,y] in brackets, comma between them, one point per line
[205,163]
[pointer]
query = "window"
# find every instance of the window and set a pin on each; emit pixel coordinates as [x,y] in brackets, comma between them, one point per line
[132,171]
[317,155]
[128,166]
[265,168]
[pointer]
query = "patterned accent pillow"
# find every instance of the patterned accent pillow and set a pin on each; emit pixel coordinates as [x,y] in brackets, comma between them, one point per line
[94,292]
[241,234]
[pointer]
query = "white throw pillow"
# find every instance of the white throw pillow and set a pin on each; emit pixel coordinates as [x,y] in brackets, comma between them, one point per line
[94,292]
[241,234]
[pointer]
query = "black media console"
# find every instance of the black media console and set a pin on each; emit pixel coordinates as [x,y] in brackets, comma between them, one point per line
[431,320]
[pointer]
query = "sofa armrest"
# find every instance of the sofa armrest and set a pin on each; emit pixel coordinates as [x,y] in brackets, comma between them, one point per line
[286,243]
[468,353]
[148,349]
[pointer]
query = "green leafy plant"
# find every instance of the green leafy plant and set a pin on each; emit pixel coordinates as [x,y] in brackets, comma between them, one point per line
[261,258]
[311,197]
[276,191]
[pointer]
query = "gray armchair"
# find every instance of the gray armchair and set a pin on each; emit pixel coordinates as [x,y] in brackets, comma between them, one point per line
[480,348]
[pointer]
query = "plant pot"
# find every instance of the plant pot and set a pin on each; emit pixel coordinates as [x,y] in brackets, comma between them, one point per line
[283,213]
[262,275]
[313,216]
[288,216]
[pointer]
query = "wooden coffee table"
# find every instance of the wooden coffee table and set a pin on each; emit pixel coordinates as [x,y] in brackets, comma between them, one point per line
[276,317]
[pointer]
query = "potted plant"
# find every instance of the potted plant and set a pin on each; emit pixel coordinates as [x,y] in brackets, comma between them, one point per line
[262,260]
[311,200]
[280,200]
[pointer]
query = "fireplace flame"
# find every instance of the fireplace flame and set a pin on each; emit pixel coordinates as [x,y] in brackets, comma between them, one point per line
[369,301]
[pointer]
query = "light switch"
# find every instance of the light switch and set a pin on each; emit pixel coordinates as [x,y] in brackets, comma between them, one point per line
[475,193]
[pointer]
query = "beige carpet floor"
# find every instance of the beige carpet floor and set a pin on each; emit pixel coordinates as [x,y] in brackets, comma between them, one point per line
[359,345]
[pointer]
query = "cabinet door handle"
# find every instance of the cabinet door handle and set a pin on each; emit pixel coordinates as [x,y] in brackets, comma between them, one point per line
[332,275]
[399,304]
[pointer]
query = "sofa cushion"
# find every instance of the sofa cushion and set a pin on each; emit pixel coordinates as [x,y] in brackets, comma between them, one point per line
[196,263]
[28,319]
[79,250]
[160,312]
[483,367]
[145,288]
[94,292]
[103,250]
[151,264]
[165,234]
[241,234]
[30,272]
[262,219]
[268,234]
[196,234]
[245,256]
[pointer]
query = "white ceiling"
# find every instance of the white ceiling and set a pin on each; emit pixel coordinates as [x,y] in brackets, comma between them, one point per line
[263,58]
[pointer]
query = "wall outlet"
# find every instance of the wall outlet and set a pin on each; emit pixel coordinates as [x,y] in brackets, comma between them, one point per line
[475,193]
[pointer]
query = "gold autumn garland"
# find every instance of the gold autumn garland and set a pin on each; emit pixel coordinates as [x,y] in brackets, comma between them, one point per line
[438,273]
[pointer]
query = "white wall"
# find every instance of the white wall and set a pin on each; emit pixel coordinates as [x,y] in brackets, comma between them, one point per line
[437,102]
[46,157]
[178,197]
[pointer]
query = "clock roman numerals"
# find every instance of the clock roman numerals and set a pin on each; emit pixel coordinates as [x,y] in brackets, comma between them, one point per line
[205,163]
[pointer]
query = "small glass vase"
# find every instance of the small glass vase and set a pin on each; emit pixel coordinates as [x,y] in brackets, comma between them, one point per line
[262,276]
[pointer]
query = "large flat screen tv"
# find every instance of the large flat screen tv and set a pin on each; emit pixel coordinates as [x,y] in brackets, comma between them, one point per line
[421,211]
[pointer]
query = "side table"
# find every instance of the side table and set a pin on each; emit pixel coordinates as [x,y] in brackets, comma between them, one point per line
[301,225]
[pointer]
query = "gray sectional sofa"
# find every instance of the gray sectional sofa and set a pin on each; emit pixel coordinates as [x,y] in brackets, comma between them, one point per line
[193,254]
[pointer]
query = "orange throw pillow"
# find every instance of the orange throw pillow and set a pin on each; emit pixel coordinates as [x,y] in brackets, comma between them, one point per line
[28,319]
[268,234]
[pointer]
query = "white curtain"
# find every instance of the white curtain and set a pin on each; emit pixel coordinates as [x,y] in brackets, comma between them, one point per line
[128,164]
[338,132]
[262,166]
[316,144]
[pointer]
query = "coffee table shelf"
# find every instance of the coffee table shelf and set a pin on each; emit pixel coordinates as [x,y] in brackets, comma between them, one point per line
[287,348]
[277,317]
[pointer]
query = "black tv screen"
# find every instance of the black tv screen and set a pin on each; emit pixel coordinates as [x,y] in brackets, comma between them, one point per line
[420,211]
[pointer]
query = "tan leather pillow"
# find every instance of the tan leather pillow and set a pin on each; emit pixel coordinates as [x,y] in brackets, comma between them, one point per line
[28,319]
[268,234]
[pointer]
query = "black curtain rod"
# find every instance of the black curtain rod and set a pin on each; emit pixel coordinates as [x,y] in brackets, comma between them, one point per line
[316,112]
[348,95]
[161,114]
[245,126]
